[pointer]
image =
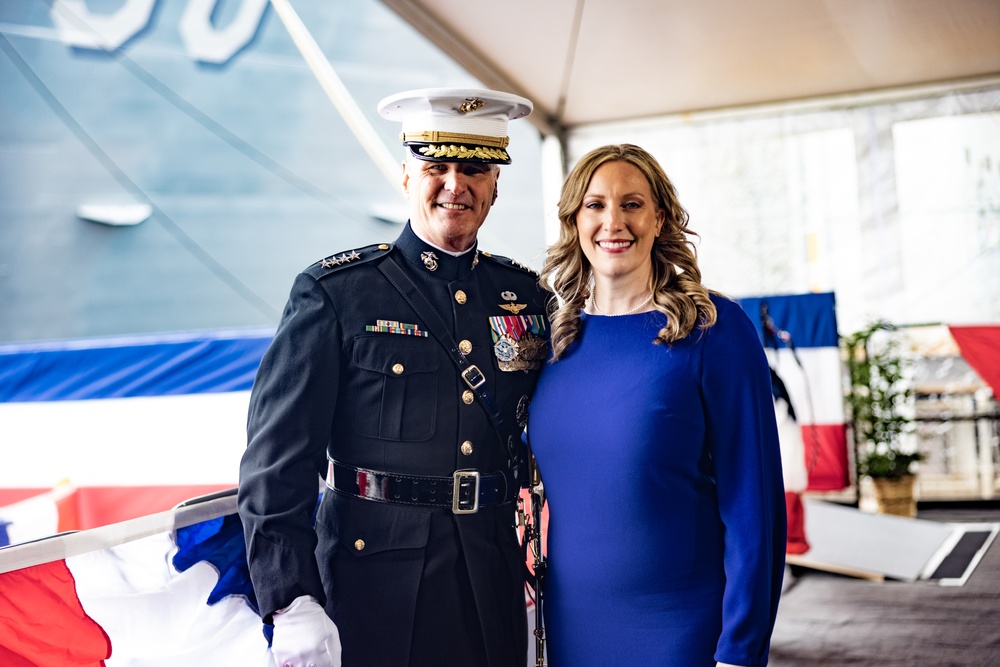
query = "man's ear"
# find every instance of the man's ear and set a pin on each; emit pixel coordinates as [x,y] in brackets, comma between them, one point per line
[496,187]
[406,177]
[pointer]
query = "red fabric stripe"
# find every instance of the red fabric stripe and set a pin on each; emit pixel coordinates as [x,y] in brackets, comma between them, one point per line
[980,346]
[66,510]
[796,542]
[101,505]
[826,456]
[93,506]
[11,496]
[43,624]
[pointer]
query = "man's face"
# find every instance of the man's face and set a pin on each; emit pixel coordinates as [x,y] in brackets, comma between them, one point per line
[449,200]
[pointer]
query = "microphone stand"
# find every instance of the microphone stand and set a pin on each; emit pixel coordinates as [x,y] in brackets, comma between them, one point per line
[774,334]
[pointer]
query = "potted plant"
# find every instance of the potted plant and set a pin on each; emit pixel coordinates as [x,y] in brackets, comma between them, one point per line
[877,398]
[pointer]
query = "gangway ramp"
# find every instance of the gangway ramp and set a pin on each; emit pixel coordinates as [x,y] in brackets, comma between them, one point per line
[848,541]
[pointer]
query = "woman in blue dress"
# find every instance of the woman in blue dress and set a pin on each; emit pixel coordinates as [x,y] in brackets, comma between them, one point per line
[654,429]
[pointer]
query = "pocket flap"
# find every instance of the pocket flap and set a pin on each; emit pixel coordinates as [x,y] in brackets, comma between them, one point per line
[395,355]
[368,527]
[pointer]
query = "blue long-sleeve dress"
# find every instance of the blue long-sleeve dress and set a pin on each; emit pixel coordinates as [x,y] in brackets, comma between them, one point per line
[661,466]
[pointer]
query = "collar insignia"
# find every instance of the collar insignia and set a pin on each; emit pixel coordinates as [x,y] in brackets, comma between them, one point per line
[430,260]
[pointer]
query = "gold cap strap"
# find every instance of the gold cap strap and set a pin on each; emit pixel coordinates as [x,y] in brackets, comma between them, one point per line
[435,136]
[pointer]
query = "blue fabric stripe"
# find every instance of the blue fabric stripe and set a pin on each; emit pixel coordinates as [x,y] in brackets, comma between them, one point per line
[128,367]
[810,319]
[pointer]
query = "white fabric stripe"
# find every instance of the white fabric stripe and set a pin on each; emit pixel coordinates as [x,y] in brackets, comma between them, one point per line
[34,517]
[817,392]
[147,441]
[793,460]
[158,617]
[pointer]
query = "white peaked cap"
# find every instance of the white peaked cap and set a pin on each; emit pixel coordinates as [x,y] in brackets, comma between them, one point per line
[455,124]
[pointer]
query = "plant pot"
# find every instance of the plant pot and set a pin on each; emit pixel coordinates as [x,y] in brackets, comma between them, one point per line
[894,495]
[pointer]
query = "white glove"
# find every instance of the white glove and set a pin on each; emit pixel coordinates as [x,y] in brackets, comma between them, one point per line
[304,636]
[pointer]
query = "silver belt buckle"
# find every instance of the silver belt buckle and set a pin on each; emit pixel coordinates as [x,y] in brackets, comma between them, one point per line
[457,481]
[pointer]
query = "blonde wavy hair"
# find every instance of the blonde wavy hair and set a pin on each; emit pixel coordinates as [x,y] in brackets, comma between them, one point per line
[675,278]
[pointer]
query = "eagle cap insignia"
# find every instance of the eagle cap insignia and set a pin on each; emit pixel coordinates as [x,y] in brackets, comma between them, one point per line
[471,104]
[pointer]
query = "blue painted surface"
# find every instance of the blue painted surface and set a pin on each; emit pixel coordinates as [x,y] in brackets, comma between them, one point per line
[252,173]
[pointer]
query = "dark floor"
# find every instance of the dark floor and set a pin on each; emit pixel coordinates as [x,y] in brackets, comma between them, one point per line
[826,619]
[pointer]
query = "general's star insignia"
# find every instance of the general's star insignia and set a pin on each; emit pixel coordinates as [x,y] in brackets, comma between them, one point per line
[344,258]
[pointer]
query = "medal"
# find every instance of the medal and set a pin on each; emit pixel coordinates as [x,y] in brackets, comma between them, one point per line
[505,348]
[518,341]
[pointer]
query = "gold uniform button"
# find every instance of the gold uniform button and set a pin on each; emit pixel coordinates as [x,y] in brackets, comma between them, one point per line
[466,447]
[486,254]
[397,369]
[465,346]
[383,246]
[359,544]
[460,297]
[468,397]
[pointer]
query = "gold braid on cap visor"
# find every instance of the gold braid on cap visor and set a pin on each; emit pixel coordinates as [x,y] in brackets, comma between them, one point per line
[463,152]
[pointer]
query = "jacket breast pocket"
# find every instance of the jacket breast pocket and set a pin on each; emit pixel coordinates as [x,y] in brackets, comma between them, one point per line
[396,387]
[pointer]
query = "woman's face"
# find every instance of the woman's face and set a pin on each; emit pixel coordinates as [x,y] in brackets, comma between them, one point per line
[618,222]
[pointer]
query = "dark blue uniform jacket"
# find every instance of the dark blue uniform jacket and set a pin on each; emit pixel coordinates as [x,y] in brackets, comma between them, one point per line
[354,374]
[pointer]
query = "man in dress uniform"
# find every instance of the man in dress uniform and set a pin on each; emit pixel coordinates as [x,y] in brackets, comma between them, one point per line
[400,373]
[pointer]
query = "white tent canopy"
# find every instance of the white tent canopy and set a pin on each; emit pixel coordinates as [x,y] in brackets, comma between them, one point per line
[590,61]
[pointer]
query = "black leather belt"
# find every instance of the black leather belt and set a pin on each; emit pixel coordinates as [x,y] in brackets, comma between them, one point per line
[464,492]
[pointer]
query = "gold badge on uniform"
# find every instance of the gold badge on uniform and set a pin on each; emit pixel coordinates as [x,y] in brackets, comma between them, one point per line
[512,307]
[519,341]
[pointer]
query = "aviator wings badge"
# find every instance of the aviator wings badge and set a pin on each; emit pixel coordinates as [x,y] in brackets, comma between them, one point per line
[513,308]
